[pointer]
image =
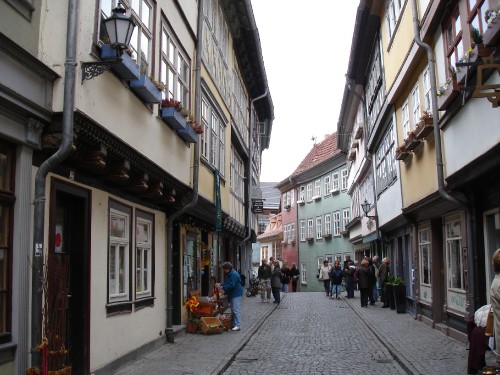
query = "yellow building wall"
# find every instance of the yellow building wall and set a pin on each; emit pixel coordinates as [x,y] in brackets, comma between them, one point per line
[394,56]
[419,176]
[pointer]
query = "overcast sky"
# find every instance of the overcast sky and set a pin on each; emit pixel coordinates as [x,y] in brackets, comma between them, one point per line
[306,46]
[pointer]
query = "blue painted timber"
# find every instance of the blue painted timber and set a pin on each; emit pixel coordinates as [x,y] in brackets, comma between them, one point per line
[146,90]
[127,69]
[173,118]
[188,134]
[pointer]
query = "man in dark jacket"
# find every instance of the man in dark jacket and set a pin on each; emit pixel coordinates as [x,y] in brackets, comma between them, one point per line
[276,282]
[349,279]
[364,282]
[372,280]
[383,276]
[264,276]
[234,290]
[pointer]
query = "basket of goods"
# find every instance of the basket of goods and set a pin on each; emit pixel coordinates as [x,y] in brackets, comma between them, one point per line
[210,325]
[226,320]
[198,309]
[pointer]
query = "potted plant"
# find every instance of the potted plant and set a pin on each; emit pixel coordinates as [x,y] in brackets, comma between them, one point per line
[411,141]
[401,152]
[389,290]
[480,50]
[448,91]
[491,35]
[425,125]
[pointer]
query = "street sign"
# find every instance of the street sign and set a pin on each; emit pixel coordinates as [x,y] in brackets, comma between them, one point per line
[257,206]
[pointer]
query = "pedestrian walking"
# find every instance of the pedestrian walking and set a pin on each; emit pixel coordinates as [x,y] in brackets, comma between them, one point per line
[264,276]
[495,298]
[364,282]
[376,288]
[234,290]
[336,280]
[276,282]
[294,275]
[383,277]
[285,279]
[349,271]
[324,275]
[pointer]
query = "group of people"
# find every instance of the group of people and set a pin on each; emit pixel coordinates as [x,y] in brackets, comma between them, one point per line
[275,278]
[370,277]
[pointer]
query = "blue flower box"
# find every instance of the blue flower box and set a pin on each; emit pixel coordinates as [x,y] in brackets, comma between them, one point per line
[146,90]
[127,69]
[173,118]
[188,134]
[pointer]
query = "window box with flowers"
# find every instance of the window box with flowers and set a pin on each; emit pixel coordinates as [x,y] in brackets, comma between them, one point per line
[327,236]
[126,69]
[447,92]
[411,141]
[147,90]
[491,36]
[425,125]
[188,134]
[401,152]
[480,50]
[171,114]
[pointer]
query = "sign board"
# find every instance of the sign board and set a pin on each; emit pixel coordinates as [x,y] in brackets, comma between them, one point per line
[257,206]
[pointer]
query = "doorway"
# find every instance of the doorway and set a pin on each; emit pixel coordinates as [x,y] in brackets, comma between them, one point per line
[69,270]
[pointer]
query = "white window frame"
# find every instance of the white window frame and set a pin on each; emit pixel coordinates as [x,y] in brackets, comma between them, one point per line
[285,234]
[346,217]
[426,84]
[317,189]
[344,178]
[284,199]
[310,228]
[319,228]
[328,224]
[213,138]
[425,243]
[292,198]
[327,181]
[309,192]
[393,10]
[302,193]
[405,118]
[336,223]
[335,182]
[449,248]
[144,252]
[142,33]
[236,177]
[302,230]
[415,106]
[303,273]
[385,164]
[115,243]
[292,232]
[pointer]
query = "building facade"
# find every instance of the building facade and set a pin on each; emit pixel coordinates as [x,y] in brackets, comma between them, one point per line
[137,204]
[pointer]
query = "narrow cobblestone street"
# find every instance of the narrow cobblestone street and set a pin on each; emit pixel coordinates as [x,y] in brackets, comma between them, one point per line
[311,334]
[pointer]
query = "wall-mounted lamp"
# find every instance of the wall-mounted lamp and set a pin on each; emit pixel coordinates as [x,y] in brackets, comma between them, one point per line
[366,207]
[119,29]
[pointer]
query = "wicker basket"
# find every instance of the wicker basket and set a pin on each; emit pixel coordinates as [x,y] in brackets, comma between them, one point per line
[210,326]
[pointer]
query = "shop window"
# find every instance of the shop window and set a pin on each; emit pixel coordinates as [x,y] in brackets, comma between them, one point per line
[7,198]
[454,256]
[425,255]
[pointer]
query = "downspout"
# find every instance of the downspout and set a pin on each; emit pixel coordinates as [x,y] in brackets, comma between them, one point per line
[249,169]
[47,166]
[196,169]
[439,161]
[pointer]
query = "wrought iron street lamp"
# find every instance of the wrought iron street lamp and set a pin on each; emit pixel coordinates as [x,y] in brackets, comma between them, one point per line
[119,29]
[366,207]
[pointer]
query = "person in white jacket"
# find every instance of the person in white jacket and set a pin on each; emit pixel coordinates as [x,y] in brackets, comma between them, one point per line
[324,275]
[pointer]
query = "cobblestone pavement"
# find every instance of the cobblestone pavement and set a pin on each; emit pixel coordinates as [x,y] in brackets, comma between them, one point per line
[311,334]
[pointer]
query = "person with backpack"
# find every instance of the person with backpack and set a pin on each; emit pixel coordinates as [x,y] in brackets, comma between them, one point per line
[336,280]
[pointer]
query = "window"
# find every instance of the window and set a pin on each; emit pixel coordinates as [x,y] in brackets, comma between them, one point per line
[328,224]
[213,139]
[119,254]
[393,10]
[336,223]
[385,169]
[309,192]
[303,273]
[7,199]
[328,184]
[344,174]
[477,11]
[302,230]
[143,255]
[265,252]
[355,202]
[415,102]
[335,181]
[285,233]
[236,174]
[346,217]
[284,200]
[426,78]
[302,192]
[452,31]
[292,232]
[310,228]
[319,228]
[425,256]
[174,69]
[292,197]
[374,89]
[405,118]
[317,188]
[455,270]
[142,37]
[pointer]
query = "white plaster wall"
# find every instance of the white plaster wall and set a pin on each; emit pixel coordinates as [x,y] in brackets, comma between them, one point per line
[473,131]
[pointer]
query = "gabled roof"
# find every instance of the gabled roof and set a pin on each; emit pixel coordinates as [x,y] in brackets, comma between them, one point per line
[319,153]
[274,230]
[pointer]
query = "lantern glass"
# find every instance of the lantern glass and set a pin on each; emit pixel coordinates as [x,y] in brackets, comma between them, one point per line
[119,29]
[365,207]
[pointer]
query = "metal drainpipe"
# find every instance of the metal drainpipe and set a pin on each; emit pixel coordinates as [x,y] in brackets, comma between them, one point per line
[249,169]
[439,160]
[196,169]
[47,166]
